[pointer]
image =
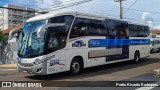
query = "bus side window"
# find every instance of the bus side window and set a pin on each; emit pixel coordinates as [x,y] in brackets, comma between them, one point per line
[98,28]
[121,29]
[88,27]
[146,30]
[53,41]
[138,31]
[110,25]
[79,28]
[132,30]
[75,32]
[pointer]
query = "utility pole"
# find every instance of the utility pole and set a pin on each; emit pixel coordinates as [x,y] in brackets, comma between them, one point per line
[121,9]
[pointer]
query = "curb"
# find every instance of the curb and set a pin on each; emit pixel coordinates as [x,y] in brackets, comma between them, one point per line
[8,66]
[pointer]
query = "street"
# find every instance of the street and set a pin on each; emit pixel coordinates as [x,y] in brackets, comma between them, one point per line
[124,71]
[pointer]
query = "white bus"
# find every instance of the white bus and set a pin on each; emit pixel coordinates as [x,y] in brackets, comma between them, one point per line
[70,41]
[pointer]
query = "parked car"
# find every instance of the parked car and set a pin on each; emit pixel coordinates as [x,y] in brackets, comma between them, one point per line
[154,44]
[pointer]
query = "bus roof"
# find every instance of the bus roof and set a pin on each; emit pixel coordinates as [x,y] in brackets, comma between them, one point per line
[78,13]
[49,15]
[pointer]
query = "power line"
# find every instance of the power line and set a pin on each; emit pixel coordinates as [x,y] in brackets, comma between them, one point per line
[110,15]
[32,1]
[55,6]
[49,2]
[74,3]
[71,4]
[144,11]
[155,20]
[130,6]
[81,2]
[65,2]
[60,7]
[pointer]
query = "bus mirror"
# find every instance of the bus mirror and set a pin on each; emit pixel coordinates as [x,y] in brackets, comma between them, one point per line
[44,27]
[11,33]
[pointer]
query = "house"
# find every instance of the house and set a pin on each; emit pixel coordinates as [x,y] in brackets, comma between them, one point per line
[10,29]
[15,37]
[155,32]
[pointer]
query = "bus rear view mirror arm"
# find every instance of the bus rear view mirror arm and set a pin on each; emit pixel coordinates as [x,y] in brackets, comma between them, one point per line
[11,32]
[42,28]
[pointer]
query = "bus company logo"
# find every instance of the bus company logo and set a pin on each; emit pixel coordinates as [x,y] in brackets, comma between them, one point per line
[79,43]
[6,84]
[54,62]
[95,42]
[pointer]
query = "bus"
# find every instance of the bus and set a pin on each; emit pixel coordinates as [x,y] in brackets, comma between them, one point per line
[73,40]
[154,43]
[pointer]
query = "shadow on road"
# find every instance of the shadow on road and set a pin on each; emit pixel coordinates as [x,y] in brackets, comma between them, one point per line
[94,71]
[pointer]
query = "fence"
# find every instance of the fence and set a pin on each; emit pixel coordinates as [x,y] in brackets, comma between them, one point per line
[8,53]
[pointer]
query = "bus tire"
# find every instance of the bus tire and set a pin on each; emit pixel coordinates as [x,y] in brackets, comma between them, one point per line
[159,50]
[76,66]
[136,57]
[151,51]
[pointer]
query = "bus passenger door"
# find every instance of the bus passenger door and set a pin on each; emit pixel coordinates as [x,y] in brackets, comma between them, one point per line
[54,48]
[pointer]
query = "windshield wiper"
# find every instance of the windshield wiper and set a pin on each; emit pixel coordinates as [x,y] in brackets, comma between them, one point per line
[26,41]
[22,45]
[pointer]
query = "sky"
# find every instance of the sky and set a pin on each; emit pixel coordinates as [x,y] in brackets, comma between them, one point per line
[145,11]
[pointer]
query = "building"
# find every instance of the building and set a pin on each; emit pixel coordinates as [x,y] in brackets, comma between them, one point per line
[155,32]
[14,16]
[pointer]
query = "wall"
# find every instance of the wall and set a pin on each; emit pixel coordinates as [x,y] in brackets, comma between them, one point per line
[8,53]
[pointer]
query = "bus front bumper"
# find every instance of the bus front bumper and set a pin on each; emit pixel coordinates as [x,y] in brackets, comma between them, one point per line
[36,69]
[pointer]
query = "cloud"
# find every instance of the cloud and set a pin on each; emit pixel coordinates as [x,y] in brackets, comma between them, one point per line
[146,16]
[150,23]
[156,27]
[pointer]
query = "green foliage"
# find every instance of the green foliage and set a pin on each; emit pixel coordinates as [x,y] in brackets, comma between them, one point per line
[3,38]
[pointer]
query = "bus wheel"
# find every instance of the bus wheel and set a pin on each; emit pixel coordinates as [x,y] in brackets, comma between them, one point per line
[76,66]
[136,57]
[151,51]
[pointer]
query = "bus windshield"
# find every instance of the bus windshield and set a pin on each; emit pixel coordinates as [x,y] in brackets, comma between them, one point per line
[29,44]
[51,39]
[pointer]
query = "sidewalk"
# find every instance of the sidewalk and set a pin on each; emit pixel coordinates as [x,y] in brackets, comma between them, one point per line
[8,66]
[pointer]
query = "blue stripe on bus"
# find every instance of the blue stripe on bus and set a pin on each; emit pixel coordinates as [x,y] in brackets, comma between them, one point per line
[115,42]
[125,48]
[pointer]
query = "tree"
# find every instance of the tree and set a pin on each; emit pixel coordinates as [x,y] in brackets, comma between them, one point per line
[3,42]
[3,38]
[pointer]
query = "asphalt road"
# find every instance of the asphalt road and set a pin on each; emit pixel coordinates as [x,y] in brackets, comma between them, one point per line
[124,71]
